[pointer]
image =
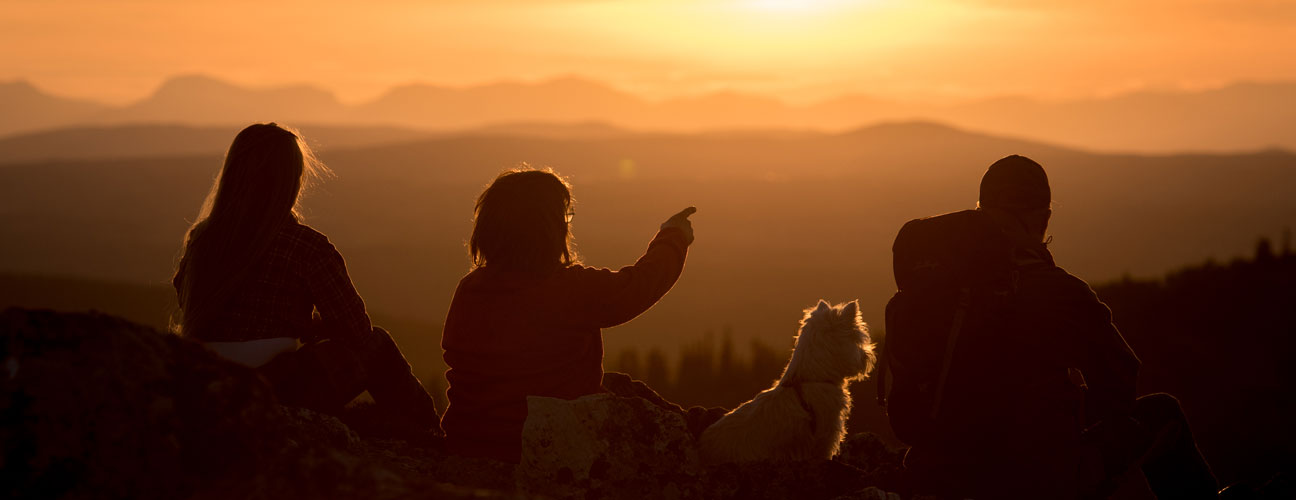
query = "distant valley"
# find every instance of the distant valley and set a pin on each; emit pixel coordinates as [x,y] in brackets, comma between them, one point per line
[784,218]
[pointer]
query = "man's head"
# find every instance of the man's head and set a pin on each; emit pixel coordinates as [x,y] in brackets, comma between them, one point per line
[1017,186]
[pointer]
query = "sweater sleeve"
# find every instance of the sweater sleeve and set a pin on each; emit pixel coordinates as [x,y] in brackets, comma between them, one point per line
[340,306]
[615,297]
[1109,365]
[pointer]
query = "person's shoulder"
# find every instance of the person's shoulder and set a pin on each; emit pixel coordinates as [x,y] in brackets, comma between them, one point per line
[477,275]
[581,282]
[579,272]
[308,244]
[1052,280]
[487,280]
[304,232]
[305,235]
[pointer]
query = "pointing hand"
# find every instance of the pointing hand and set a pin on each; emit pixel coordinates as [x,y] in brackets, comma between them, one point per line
[681,221]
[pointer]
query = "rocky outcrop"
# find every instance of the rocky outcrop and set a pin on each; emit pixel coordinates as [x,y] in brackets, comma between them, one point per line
[868,452]
[604,446]
[871,493]
[93,406]
[98,407]
[697,418]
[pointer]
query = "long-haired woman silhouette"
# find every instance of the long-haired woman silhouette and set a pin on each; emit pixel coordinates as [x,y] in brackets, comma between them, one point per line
[254,282]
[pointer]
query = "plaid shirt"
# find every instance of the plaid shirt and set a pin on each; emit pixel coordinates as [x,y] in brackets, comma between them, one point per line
[301,273]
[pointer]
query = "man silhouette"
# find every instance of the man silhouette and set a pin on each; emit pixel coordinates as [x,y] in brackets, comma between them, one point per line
[1033,394]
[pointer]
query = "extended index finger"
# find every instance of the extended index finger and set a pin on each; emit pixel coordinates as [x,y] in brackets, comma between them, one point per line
[684,214]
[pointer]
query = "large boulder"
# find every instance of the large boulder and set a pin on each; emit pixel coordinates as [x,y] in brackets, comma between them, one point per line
[94,406]
[604,446]
[98,406]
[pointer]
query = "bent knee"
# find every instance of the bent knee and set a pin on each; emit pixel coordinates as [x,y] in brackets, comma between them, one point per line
[380,338]
[380,347]
[1158,408]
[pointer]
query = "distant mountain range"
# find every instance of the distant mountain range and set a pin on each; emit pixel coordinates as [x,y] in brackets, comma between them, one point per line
[106,142]
[154,141]
[1239,117]
[788,217]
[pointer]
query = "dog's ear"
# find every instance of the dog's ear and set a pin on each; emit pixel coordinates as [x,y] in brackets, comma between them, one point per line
[823,306]
[851,310]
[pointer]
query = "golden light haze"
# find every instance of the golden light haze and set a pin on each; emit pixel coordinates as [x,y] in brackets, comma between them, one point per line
[798,50]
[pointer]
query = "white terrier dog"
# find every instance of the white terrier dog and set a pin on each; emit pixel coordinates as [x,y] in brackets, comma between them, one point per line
[803,416]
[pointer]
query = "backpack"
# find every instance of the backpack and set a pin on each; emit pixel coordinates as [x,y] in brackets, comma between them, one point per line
[956,284]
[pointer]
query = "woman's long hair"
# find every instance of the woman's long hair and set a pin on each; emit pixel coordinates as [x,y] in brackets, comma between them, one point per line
[252,199]
[520,223]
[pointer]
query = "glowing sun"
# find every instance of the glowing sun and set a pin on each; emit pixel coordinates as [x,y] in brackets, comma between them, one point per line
[794,5]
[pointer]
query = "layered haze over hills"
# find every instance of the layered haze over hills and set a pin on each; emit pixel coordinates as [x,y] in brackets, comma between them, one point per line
[784,218]
[92,215]
[1236,117]
[797,202]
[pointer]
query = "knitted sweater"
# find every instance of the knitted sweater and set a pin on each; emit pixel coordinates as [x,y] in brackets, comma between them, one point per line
[509,335]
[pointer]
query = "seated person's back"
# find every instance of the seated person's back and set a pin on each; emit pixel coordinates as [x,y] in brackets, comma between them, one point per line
[1031,359]
[254,281]
[299,273]
[523,326]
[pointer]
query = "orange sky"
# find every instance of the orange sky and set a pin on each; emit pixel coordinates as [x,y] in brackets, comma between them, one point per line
[918,49]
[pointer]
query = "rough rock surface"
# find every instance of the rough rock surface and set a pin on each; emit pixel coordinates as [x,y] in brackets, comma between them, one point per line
[868,452]
[871,493]
[604,446]
[697,418]
[865,469]
[97,407]
[92,406]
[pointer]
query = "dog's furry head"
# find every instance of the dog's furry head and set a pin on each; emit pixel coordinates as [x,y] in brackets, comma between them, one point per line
[833,345]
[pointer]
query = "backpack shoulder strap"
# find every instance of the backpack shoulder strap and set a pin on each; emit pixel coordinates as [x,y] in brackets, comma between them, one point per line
[956,327]
[884,352]
[883,366]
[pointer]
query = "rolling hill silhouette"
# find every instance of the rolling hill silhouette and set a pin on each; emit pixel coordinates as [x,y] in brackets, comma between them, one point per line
[562,100]
[27,108]
[785,218]
[1242,116]
[148,141]
[202,100]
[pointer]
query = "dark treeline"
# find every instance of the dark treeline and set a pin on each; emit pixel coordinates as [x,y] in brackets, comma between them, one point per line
[1220,336]
[707,372]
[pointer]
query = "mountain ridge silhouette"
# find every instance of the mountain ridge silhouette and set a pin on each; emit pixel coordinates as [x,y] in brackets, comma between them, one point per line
[1236,117]
[162,140]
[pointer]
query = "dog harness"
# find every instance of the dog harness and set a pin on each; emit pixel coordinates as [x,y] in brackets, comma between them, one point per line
[796,388]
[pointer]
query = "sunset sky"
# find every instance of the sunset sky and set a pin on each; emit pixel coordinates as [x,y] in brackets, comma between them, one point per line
[120,51]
